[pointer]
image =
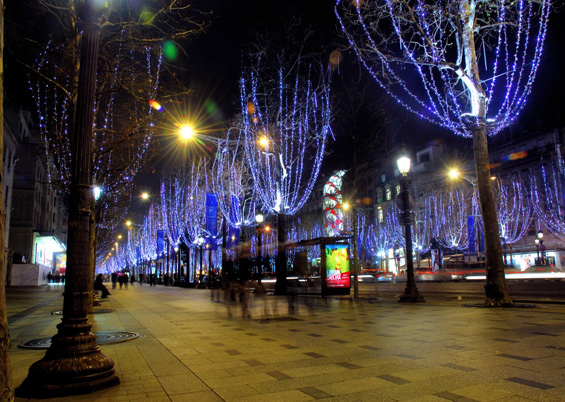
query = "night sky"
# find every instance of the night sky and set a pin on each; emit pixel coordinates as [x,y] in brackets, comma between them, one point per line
[214,61]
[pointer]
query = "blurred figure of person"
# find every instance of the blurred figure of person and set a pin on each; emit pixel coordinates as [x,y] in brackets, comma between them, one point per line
[114,279]
[260,294]
[244,290]
[230,295]
[140,279]
[99,285]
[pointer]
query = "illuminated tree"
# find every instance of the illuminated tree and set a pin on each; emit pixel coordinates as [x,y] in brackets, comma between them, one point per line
[384,233]
[515,209]
[547,195]
[285,123]
[467,65]
[232,183]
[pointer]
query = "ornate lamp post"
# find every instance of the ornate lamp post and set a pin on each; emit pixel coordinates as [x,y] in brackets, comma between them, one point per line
[411,294]
[259,218]
[74,364]
[540,247]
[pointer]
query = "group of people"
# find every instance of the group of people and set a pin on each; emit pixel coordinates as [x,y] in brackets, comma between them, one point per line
[117,278]
[122,279]
[57,278]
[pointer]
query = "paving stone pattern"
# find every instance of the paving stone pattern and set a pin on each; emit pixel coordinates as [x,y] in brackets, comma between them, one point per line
[330,349]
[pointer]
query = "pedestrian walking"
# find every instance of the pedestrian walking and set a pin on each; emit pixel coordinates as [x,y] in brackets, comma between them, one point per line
[114,277]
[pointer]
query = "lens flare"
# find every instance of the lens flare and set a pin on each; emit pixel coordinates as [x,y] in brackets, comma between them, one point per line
[170,51]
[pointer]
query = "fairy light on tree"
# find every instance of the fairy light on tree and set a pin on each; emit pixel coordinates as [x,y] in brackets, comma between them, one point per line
[232,183]
[515,209]
[466,65]
[382,235]
[546,191]
[285,123]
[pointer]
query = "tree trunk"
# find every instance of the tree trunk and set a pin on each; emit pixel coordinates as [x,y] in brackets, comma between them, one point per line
[495,286]
[280,262]
[6,387]
[355,250]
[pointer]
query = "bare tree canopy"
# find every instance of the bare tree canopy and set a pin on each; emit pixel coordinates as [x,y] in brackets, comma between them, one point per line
[454,63]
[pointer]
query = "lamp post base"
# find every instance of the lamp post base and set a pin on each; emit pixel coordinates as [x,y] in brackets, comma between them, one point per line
[411,295]
[73,365]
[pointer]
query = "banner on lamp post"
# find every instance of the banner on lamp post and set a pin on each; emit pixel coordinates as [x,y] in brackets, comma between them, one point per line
[160,242]
[212,219]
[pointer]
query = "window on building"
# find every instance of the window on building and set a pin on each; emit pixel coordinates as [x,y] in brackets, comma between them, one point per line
[380,215]
[379,195]
[397,189]
[388,193]
[383,178]
[424,157]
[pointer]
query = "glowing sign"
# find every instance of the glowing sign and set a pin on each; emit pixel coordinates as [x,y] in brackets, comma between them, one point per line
[337,266]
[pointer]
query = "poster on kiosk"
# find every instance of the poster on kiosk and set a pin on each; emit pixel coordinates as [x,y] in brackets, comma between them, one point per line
[337,272]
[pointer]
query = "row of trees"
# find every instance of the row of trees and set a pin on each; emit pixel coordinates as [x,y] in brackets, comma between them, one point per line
[440,214]
[286,101]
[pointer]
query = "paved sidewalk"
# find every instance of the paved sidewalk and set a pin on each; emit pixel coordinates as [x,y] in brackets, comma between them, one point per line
[336,350]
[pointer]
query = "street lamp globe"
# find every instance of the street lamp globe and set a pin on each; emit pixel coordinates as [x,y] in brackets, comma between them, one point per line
[540,234]
[259,218]
[186,132]
[403,165]
[453,173]
[263,142]
[97,191]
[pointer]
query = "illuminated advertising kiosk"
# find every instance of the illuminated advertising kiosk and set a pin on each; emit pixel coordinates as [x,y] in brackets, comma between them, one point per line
[335,265]
[336,272]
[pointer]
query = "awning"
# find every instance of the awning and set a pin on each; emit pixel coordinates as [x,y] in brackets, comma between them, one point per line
[50,241]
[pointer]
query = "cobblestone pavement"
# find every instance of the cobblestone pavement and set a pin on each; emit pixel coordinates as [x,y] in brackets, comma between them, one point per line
[194,348]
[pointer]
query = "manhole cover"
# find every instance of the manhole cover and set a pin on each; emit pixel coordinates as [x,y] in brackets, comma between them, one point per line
[103,337]
[277,319]
[516,305]
[103,310]
[95,311]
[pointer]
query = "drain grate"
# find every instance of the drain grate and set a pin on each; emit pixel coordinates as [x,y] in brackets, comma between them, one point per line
[103,337]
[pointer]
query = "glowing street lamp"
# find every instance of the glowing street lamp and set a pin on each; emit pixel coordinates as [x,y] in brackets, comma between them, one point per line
[186,132]
[263,142]
[540,247]
[411,293]
[259,218]
[97,192]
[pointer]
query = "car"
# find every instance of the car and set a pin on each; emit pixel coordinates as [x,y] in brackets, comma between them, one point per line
[383,276]
[541,269]
[427,275]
